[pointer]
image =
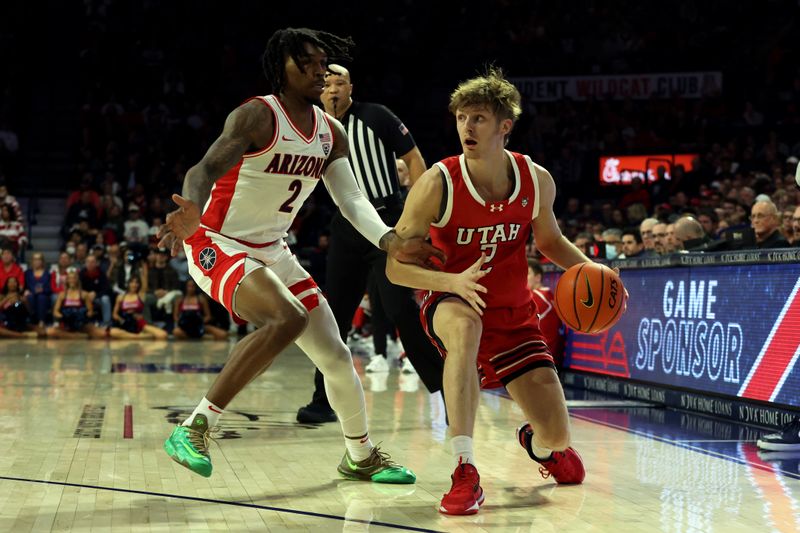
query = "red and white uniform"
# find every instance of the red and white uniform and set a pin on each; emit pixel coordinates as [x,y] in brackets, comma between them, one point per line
[252,207]
[511,343]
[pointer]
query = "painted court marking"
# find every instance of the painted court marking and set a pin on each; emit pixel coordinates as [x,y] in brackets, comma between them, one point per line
[127,430]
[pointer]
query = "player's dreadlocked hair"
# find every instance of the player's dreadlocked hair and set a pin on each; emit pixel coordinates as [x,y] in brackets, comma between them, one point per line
[290,41]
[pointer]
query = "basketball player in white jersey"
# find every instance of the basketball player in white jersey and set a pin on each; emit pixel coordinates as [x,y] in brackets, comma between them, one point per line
[252,181]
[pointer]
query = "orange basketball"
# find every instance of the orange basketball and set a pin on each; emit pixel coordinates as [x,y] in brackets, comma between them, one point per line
[590,297]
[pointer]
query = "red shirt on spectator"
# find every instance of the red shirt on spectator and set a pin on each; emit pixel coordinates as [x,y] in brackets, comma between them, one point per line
[12,271]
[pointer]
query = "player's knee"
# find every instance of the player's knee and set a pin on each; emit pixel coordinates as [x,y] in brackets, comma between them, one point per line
[292,318]
[463,331]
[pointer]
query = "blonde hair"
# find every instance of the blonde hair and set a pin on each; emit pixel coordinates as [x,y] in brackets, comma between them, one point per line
[491,90]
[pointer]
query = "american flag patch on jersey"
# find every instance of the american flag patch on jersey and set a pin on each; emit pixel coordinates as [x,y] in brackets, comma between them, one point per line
[403,129]
[325,137]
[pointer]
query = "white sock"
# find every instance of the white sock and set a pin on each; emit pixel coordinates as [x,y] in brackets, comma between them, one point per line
[462,449]
[359,448]
[543,454]
[207,408]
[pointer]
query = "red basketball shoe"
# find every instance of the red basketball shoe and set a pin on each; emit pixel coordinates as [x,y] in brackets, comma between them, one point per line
[566,467]
[466,494]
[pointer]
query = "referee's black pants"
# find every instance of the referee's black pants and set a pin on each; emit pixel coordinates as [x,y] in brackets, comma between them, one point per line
[351,259]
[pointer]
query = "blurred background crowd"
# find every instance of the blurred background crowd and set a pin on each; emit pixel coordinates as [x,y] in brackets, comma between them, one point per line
[96,136]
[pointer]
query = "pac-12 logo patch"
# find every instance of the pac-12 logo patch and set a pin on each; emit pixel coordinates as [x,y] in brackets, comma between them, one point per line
[325,139]
[207,257]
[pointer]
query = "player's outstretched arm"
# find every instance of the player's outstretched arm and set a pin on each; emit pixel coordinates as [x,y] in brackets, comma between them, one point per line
[343,188]
[546,232]
[422,209]
[251,124]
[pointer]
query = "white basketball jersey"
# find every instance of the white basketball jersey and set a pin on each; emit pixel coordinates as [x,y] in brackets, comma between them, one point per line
[257,200]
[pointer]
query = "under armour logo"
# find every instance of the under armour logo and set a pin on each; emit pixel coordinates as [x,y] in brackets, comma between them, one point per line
[207,257]
[496,207]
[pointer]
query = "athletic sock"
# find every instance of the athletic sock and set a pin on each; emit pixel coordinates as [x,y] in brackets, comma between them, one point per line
[462,449]
[207,408]
[542,454]
[358,448]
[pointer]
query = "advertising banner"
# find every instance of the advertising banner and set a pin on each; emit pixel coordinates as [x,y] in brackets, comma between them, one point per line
[728,330]
[621,170]
[619,87]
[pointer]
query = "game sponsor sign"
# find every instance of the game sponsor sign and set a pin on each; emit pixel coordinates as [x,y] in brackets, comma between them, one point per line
[727,330]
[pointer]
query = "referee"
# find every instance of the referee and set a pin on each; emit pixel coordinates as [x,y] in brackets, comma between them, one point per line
[377,139]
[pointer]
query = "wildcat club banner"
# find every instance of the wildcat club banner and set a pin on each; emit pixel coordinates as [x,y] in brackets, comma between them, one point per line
[724,330]
[619,87]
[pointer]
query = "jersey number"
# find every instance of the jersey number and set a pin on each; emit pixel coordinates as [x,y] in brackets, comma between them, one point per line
[489,250]
[294,187]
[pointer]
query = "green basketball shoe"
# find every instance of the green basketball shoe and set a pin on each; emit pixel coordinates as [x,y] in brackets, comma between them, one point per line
[188,446]
[378,467]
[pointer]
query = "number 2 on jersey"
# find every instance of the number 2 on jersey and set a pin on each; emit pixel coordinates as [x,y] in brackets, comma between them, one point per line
[489,250]
[294,187]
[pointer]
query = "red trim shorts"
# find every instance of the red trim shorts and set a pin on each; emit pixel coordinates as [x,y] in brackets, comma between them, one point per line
[218,264]
[511,342]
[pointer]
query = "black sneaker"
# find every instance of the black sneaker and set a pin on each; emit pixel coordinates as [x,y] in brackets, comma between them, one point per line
[315,414]
[786,440]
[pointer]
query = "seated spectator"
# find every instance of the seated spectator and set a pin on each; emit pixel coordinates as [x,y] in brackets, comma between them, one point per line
[84,209]
[58,274]
[660,239]
[795,240]
[765,223]
[632,245]
[180,264]
[690,235]
[585,243]
[14,313]
[670,243]
[7,199]
[128,315]
[99,253]
[38,289]
[137,232]
[162,287]
[81,253]
[12,231]
[113,226]
[78,195]
[131,265]
[708,219]
[646,231]
[95,283]
[9,267]
[74,312]
[612,240]
[192,316]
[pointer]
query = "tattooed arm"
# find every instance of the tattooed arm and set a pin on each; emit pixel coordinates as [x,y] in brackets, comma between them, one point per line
[249,125]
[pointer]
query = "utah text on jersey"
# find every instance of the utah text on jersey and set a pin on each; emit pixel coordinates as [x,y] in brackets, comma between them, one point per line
[488,237]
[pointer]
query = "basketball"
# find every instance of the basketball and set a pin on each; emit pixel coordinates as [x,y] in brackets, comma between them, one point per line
[590,298]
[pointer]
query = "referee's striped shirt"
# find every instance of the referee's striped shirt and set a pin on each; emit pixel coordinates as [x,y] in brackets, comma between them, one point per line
[377,139]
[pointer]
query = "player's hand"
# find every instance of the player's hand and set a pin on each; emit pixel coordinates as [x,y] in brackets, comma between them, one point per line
[415,251]
[180,225]
[467,287]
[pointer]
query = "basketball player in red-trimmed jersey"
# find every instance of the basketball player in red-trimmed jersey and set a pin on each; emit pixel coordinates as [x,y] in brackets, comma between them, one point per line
[250,184]
[480,209]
